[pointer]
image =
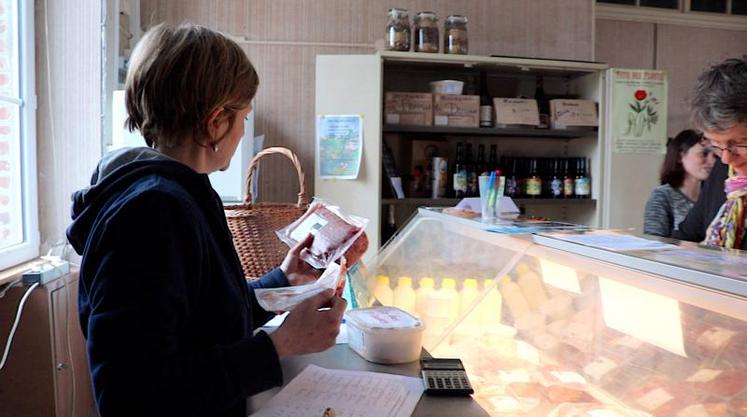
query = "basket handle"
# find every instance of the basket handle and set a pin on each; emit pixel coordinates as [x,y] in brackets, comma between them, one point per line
[254,165]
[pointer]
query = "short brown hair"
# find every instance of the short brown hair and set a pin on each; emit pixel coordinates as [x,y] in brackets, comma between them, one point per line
[178,76]
[672,170]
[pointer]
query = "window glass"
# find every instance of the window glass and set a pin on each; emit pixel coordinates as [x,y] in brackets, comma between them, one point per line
[665,4]
[629,2]
[11,208]
[715,6]
[739,7]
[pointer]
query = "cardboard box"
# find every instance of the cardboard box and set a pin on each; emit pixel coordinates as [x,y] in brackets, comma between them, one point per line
[567,113]
[511,112]
[456,110]
[408,108]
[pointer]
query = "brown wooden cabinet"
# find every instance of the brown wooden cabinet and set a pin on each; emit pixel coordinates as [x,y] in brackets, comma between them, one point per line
[46,374]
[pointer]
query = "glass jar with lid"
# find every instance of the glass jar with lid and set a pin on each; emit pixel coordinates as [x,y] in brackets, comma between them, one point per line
[455,35]
[426,32]
[397,37]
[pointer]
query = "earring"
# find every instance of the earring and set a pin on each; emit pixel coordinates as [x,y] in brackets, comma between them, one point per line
[215,147]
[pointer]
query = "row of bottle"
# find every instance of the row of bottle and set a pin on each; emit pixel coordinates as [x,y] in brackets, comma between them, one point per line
[525,177]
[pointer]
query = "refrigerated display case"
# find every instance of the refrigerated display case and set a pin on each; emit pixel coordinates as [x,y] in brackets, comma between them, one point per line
[548,327]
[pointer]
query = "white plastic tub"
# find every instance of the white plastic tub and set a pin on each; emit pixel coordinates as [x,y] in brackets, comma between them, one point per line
[384,334]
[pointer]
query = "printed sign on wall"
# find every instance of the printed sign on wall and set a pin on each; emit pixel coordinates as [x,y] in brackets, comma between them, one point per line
[639,111]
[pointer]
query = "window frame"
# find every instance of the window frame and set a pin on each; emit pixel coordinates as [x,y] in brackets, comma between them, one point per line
[29,248]
[682,16]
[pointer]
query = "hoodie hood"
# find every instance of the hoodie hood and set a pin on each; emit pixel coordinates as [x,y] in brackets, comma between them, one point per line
[116,173]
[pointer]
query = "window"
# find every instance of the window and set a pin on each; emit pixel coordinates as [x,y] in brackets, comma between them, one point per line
[19,236]
[735,7]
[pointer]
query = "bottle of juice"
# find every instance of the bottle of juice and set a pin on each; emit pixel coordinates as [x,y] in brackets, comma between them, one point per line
[491,305]
[467,295]
[450,298]
[470,325]
[531,286]
[423,297]
[514,298]
[382,292]
[404,295]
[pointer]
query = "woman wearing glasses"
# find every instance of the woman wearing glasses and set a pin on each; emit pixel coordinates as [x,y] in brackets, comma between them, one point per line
[719,109]
[686,165]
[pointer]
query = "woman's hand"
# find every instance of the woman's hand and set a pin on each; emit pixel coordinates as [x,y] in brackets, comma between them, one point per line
[296,269]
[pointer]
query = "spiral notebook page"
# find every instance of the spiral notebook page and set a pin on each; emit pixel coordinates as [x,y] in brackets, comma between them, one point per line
[348,393]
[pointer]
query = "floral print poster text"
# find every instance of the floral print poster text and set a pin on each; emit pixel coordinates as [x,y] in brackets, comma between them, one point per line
[639,111]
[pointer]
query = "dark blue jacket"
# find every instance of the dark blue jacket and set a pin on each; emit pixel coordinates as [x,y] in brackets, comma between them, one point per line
[166,312]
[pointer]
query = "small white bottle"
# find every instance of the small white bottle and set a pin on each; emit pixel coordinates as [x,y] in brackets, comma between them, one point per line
[514,298]
[451,297]
[467,295]
[382,292]
[423,297]
[404,295]
[469,327]
[491,306]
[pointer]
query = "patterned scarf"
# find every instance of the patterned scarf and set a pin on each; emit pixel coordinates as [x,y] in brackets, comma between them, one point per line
[728,227]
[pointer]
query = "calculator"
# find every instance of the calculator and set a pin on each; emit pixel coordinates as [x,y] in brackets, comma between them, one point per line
[445,376]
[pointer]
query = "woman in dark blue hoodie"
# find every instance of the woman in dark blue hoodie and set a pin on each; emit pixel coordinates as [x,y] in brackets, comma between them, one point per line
[168,317]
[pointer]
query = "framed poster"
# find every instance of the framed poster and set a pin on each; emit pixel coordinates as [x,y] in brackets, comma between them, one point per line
[638,111]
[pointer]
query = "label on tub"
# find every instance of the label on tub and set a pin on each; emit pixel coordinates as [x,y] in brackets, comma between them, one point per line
[383,318]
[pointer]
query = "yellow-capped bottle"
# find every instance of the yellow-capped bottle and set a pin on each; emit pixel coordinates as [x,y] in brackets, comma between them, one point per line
[423,296]
[491,306]
[404,295]
[451,297]
[382,291]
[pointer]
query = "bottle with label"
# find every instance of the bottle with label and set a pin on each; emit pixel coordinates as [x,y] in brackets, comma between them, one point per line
[582,185]
[472,190]
[480,166]
[460,173]
[404,295]
[491,306]
[514,298]
[382,291]
[493,159]
[531,286]
[556,181]
[568,180]
[390,227]
[533,182]
[543,104]
[423,296]
[512,180]
[486,103]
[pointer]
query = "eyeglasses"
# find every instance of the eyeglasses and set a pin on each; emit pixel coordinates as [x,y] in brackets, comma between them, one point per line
[734,149]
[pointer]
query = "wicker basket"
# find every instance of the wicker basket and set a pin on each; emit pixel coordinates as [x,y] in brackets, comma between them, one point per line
[253,226]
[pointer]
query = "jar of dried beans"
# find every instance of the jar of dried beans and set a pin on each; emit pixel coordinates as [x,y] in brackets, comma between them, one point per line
[397,37]
[426,32]
[455,35]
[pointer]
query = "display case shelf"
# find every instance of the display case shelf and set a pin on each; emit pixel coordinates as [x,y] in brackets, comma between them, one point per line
[490,132]
[449,202]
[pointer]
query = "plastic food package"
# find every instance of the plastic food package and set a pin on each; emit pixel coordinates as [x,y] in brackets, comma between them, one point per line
[287,298]
[384,334]
[334,233]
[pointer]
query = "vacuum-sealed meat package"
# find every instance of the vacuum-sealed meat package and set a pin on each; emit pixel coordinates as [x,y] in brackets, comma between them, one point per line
[335,233]
[286,298]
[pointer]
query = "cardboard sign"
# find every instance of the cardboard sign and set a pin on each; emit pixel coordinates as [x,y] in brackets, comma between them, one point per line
[515,111]
[566,112]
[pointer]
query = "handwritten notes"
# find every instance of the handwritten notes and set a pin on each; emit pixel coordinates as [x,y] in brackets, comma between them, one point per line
[348,393]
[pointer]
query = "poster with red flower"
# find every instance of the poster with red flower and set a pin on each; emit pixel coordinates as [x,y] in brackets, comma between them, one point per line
[639,111]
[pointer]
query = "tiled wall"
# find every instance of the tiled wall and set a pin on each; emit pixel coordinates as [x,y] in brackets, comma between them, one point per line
[283,37]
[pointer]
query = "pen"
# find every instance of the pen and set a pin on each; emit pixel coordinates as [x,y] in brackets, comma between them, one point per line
[491,188]
[328,412]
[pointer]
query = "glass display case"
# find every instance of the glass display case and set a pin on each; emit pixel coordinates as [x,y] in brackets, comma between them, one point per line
[548,327]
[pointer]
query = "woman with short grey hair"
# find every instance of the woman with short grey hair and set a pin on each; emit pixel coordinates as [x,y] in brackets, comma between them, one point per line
[719,110]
